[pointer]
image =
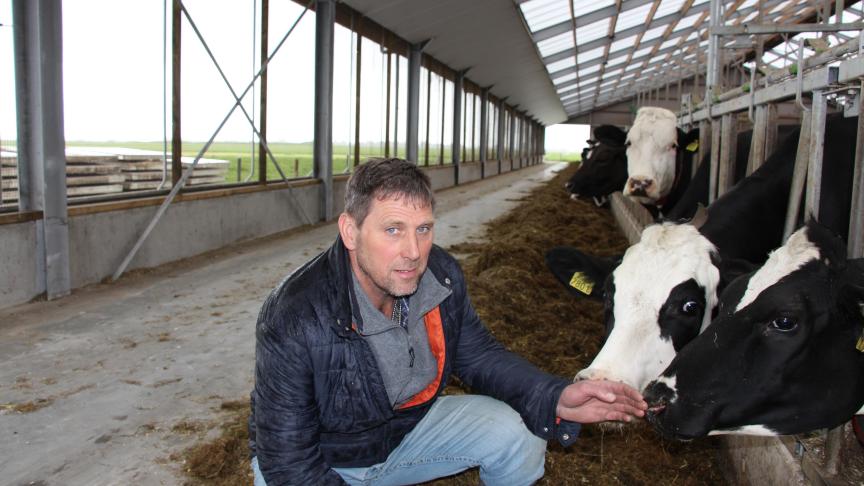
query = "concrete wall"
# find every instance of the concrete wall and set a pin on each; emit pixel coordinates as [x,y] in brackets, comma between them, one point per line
[100,240]
[491,168]
[18,270]
[469,172]
[441,176]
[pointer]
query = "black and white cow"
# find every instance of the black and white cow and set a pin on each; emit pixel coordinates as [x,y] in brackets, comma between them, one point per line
[659,158]
[663,291]
[785,354]
[604,166]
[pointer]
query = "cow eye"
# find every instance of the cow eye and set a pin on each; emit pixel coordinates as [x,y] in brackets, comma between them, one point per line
[690,308]
[674,146]
[627,144]
[784,324]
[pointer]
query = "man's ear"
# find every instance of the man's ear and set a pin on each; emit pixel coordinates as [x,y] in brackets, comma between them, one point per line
[348,231]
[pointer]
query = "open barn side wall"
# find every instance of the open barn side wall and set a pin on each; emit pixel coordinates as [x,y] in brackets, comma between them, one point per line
[100,239]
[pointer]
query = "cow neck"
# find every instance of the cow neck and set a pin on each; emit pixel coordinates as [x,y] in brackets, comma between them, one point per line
[679,168]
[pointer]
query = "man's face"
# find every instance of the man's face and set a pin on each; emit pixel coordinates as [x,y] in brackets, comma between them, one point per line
[390,251]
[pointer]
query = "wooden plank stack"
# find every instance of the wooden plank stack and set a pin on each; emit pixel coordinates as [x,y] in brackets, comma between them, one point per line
[94,171]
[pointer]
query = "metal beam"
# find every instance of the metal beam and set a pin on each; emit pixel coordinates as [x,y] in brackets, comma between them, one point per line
[456,147]
[322,146]
[412,137]
[749,29]
[38,50]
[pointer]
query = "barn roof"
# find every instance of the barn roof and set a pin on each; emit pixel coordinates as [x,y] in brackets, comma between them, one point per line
[559,59]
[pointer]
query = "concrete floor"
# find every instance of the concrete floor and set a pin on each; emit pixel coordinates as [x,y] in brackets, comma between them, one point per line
[116,367]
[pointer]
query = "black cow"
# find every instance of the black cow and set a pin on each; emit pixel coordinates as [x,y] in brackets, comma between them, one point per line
[785,354]
[604,166]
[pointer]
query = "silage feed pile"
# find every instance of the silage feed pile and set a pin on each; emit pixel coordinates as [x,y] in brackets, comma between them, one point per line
[535,316]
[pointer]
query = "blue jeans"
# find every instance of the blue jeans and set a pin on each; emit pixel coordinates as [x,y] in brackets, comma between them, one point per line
[459,432]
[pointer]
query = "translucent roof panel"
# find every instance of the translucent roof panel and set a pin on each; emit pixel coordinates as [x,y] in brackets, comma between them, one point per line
[598,71]
[582,8]
[556,44]
[632,18]
[592,31]
[540,14]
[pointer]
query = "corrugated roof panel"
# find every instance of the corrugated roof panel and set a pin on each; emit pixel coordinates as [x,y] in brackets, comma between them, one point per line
[566,78]
[654,33]
[582,8]
[583,73]
[556,44]
[687,22]
[559,65]
[616,61]
[626,43]
[632,18]
[540,14]
[667,7]
[592,31]
[591,55]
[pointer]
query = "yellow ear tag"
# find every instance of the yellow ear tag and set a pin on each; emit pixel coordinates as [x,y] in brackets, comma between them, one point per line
[860,344]
[582,283]
[694,146]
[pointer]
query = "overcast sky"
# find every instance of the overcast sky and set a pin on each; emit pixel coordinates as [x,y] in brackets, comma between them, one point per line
[113,74]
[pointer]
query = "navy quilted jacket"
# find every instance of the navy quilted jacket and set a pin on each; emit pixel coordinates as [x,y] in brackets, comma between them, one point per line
[319,400]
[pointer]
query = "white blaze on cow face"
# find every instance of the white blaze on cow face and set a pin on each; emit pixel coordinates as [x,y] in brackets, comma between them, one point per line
[651,155]
[667,255]
[797,251]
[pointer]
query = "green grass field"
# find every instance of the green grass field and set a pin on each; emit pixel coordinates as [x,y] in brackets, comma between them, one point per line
[290,156]
[295,159]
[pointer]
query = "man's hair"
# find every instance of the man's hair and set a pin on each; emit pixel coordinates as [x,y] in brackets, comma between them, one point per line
[385,178]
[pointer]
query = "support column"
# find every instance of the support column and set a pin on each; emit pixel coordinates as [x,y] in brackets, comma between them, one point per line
[512,137]
[38,40]
[484,129]
[325,15]
[412,137]
[456,149]
[500,148]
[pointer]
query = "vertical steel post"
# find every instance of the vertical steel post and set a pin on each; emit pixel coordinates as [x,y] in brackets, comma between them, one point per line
[176,138]
[325,14]
[502,115]
[512,138]
[428,113]
[817,147]
[386,104]
[412,136]
[484,129]
[456,147]
[715,160]
[359,55]
[728,138]
[856,212]
[38,47]
[443,118]
[262,132]
[799,174]
[712,77]
[704,144]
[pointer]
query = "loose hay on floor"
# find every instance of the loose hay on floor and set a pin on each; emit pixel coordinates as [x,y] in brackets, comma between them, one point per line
[535,316]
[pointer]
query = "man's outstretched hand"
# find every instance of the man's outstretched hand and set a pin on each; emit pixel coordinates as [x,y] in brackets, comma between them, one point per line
[590,401]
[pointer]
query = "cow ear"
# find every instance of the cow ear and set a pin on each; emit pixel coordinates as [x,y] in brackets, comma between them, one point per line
[610,135]
[581,273]
[689,140]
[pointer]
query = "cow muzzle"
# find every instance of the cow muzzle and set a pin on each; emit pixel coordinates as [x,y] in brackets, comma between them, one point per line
[640,186]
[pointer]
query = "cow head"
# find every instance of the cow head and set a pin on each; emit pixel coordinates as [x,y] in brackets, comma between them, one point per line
[604,166]
[783,355]
[656,299]
[656,150]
